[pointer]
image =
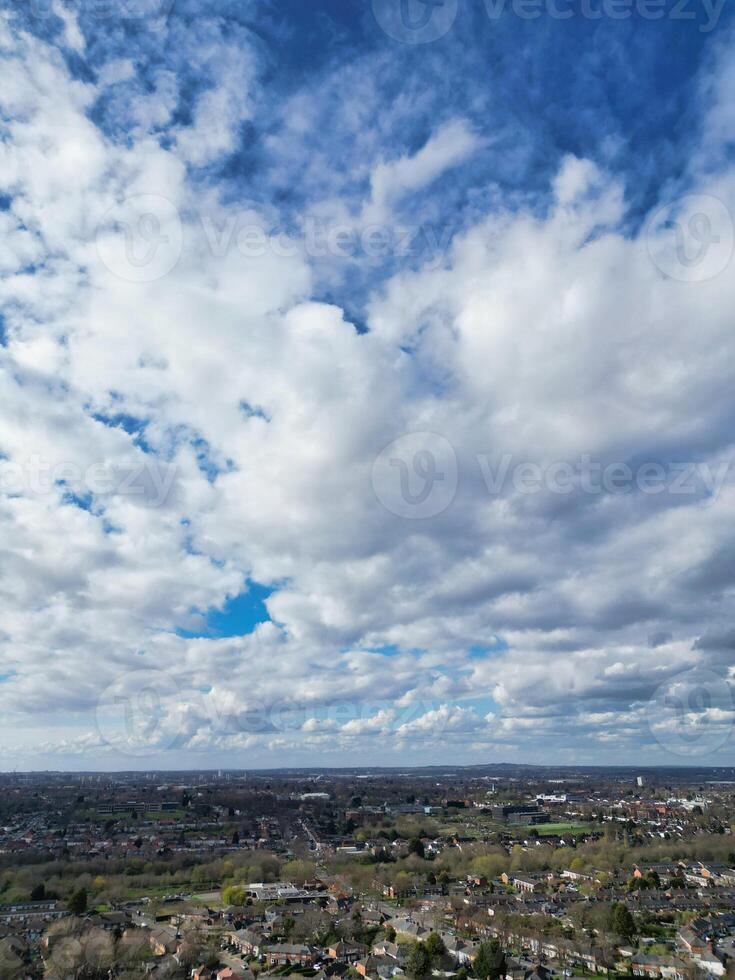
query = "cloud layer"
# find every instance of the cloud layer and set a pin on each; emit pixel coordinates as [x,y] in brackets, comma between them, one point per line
[470,435]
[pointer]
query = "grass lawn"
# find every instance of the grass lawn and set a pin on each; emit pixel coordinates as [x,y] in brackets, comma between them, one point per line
[212,900]
[477,827]
[152,891]
[165,888]
[562,828]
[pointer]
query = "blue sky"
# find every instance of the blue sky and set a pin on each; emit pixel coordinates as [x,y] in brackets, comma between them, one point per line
[366,377]
[616,91]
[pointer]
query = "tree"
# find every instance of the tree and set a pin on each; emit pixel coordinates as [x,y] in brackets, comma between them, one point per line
[39,892]
[192,949]
[402,883]
[89,953]
[623,923]
[77,903]
[298,871]
[435,946]
[416,846]
[490,961]
[418,962]
[11,965]
[233,895]
[390,933]
[313,927]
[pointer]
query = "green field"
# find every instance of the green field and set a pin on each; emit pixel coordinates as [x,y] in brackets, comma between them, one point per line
[562,828]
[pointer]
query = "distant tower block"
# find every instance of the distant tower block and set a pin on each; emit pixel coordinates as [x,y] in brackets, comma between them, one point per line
[640,781]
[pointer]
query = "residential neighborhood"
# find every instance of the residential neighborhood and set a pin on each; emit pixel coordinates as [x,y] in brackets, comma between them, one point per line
[241,875]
